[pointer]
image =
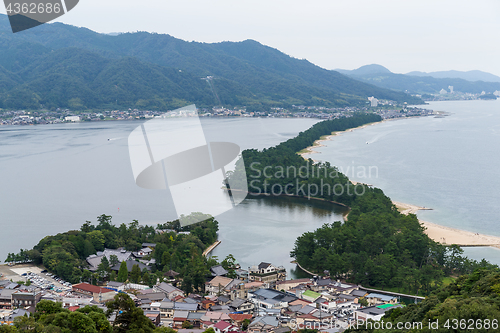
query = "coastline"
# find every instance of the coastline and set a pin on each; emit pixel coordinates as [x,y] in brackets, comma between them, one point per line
[449,235]
[438,233]
[318,143]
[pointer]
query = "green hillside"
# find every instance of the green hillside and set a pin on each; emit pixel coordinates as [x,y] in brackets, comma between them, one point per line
[54,64]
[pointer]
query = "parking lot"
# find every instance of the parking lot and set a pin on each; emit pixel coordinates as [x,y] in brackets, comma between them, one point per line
[36,275]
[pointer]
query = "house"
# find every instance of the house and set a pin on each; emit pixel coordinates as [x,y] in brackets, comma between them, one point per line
[152,296]
[242,289]
[95,259]
[25,299]
[195,318]
[130,264]
[373,312]
[218,271]
[6,298]
[143,252]
[154,316]
[220,285]
[224,327]
[238,318]
[170,291]
[241,305]
[100,295]
[9,317]
[114,285]
[207,303]
[375,298]
[267,273]
[270,299]
[180,316]
[263,324]
[289,284]
[341,288]
[320,285]
[310,295]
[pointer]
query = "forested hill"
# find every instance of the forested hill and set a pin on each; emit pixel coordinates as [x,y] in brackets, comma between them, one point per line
[469,304]
[421,84]
[245,73]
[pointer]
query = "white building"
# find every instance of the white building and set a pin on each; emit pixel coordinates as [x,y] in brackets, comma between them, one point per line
[373,101]
[72,118]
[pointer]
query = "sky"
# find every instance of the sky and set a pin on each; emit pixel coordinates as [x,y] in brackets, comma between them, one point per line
[401,35]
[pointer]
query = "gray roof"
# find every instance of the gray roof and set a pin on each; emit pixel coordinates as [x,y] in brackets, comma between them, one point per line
[358,293]
[223,299]
[167,287]
[148,244]
[264,265]
[7,293]
[190,300]
[195,315]
[384,298]
[95,260]
[237,302]
[218,270]
[181,314]
[130,264]
[115,284]
[324,282]
[152,296]
[295,308]
[307,309]
[185,306]
[267,320]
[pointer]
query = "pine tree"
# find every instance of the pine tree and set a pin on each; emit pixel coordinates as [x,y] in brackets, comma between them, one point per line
[122,272]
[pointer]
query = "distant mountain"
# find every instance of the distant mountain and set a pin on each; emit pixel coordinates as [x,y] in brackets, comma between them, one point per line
[54,64]
[469,75]
[365,70]
[382,77]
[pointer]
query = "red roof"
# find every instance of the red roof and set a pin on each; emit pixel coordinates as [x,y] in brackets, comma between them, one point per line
[73,308]
[239,316]
[91,288]
[222,325]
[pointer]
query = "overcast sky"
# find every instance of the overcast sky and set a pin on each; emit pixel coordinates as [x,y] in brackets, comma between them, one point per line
[402,35]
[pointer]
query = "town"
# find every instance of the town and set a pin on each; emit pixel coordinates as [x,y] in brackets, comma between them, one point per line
[386,109]
[258,300]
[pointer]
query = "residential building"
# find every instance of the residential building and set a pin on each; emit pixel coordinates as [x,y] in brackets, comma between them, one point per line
[267,273]
[100,295]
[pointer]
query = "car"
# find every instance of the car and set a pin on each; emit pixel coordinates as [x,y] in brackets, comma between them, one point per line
[44,271]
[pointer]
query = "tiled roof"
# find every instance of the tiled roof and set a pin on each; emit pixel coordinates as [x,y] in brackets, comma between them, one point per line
[91,288]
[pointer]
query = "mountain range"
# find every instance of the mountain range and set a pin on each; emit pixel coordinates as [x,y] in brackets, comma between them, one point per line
[425,83]
[58,65]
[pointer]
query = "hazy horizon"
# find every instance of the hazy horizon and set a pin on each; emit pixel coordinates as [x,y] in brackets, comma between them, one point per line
[402,36]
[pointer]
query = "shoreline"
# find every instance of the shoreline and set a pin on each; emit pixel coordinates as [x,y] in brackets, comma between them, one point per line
[438,233]
[448,235]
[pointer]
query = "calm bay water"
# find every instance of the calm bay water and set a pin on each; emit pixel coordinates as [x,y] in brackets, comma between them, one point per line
[449,164]
[55,177]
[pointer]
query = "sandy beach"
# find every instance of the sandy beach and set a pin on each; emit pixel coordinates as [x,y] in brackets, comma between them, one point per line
[318,143]
[438,233]
[447,235]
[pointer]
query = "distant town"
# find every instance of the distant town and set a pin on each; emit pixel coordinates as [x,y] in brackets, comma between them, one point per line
[386,109]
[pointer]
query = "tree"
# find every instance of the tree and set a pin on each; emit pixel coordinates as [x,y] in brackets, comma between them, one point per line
[122,272]
[103,267]
[135,274]
[244,324]
[129,318]
[145,278]
[187,324]
[113,260]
